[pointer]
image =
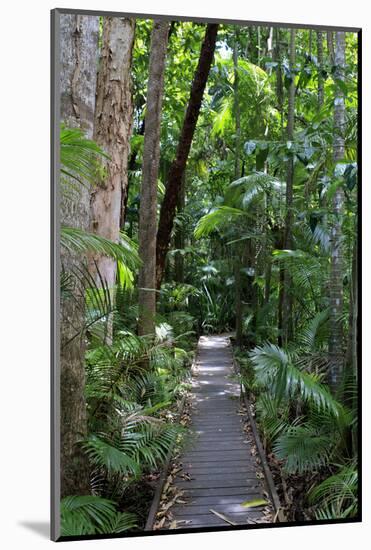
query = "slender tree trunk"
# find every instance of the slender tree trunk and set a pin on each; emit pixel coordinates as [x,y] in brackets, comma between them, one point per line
[148,192]
[237,110]
[179,237]
[78,58]
[270,41]
[113,123]
[351,354]
[238,300]
[177,168]
[330,47]
[321,89]
[279,79]
[287,302]
[237,174]
[279,92]
[337,261]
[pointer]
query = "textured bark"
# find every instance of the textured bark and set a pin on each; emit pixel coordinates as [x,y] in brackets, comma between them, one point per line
[237,111]
[148,192]
[330,47]
[337,261]
[237,174]
[112,130]
[321,89]
[177,168]
[238,300]
[279,78]
[287,302]
[351,354]
[179,238]
[79,46]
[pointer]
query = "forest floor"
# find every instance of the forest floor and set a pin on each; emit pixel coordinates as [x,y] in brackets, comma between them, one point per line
[218,479]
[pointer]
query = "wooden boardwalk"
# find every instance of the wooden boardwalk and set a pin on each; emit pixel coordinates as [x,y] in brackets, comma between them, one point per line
[219,471]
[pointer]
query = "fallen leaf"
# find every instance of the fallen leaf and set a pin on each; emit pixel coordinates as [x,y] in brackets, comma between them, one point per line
[254,503]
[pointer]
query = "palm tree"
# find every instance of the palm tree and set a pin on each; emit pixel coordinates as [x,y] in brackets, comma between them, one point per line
[337,262]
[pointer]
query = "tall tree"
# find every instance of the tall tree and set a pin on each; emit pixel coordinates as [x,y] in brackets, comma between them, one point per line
[148,191]
[287,322]
[179,237]
[78,57]
[177,168]
[321,88]
[337,260]
[113,124]
[237,174]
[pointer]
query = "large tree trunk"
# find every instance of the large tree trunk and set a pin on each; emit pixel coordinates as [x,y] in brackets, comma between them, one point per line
[148,192]
[177,168]
[113,123]
[337,262]
[287,301]
[79,47]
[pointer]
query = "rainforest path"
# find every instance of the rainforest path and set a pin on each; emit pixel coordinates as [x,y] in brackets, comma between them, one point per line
[219,469]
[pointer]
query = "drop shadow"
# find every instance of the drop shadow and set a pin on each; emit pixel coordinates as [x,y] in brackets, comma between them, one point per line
[42,528]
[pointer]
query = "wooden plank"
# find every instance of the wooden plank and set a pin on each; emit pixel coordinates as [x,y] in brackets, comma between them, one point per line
[221,500]
[221,491]
[215,456]
[198,469]
[217,476]
[210,519]
[229,509]
[204,483]
[219,448]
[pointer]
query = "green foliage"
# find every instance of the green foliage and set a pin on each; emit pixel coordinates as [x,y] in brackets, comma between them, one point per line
[275,368]
[303,448]
[80,158]
[337,496]
[75,240]
[90,515]
[228,224]
[222,215]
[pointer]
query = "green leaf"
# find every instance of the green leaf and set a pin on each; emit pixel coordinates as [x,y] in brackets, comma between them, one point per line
[82,242]
[217,217]
[254,503]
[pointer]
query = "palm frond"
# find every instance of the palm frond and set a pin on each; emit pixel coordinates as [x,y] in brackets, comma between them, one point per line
[105,455]
[315,334]
[80,157]
[218,217]
[89,515]
[76,240]
[303,449]
[274,368]
[337,496]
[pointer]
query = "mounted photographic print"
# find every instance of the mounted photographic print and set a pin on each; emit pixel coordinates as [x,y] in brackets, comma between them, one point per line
[205,277]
